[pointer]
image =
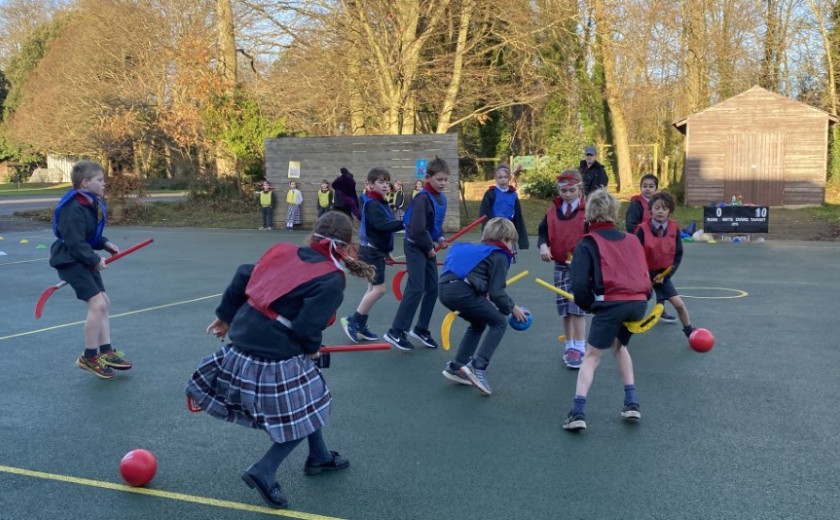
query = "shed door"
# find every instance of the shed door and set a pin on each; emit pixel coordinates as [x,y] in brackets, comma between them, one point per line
[755,168]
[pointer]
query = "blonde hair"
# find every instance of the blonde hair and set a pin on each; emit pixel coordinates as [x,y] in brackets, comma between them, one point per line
[84,170]
[500,229]
[338,226]
[601,206]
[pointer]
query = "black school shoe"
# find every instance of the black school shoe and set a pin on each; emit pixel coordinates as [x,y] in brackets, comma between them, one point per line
[316,468]
[272,495]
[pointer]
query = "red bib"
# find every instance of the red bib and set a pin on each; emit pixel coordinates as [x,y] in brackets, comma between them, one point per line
[623,268]
[645,210]
[563,235]
[660,251]
[279,271]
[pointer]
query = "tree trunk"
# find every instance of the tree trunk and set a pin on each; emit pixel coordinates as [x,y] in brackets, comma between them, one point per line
[225,161]
[451,96]
[621,145]
[694,18]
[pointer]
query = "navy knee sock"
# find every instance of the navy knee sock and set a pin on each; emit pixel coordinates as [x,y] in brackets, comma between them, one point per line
[266,467]
[579,404]
[630,394]
[90,353]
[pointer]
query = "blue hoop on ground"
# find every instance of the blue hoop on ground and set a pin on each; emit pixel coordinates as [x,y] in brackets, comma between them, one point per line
[739,293]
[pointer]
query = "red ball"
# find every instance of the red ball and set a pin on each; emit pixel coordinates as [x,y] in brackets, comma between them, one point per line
[701,340]
[138,467]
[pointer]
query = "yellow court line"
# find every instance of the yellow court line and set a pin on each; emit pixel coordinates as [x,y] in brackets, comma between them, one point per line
[205,501]
[739,293]
[129,313]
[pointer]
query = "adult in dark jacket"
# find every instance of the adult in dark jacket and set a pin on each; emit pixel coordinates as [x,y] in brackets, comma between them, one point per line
[346,199]
[594,174]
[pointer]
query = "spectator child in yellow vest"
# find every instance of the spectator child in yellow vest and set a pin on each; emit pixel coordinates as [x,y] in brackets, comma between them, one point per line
[325,198]
[267,206]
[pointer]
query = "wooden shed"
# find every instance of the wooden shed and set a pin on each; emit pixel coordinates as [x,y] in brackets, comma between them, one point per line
[766,148]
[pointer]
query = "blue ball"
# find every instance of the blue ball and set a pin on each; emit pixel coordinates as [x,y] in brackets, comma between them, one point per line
[521,325]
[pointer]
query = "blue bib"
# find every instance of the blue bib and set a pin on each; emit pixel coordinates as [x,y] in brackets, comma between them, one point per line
[100,224]
[363,228]
[462,258]
[505,204]
[440,213]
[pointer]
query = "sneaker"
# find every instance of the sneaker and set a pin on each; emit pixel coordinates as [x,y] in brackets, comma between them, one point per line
[336,463]
[477,377]
[365,333]
[115,360]
[574,422]
[350,329]
[424,336]
[631,412]
[455,375]
[95,366]
[667,318]
[398,340]
[573,358]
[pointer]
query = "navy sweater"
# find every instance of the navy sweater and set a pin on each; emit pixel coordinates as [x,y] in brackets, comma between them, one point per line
[308,307]
[76,224]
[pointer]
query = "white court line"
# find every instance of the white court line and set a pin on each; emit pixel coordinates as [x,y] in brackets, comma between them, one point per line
[24,261]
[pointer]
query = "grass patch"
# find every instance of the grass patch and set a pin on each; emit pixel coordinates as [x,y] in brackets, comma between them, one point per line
[13,189]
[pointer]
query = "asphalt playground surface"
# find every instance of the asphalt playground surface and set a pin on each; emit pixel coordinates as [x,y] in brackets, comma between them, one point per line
[746,431]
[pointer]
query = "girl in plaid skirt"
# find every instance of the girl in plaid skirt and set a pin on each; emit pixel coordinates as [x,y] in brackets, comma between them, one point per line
[294,198]
[559,232]
[267,377]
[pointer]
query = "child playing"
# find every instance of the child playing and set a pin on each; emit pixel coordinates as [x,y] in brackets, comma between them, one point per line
[501,200]
[376,241]
[638,212]
[473,283]
[663,249]
[267,200]
[399,200]
[266,377]
[325,198]
[559,232]
[78,223]
[423,233]
[294,198]
[609,278]
[418,187]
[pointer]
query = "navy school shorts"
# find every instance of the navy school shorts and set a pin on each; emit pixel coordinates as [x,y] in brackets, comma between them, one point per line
[607,322]
[665,290]
[85,282]
[376,258]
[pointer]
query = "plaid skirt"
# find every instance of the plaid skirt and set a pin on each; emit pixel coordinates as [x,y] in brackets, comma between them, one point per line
[293,215]
[563,280]
[289,399]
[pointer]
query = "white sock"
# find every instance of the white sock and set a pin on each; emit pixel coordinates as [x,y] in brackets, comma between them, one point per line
[580,345]
[570,344]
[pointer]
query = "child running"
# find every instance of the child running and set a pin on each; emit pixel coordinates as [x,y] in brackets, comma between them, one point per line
[423,232]
[78,223]
[267,206]
[559,232]
[638,213]
[376,241]
[473,283]
[501,200]
[325,198]
[663,249]
[294,198]
[266,377]
[609,278]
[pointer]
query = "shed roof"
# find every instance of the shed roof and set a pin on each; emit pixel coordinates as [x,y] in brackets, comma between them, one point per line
[756,90]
